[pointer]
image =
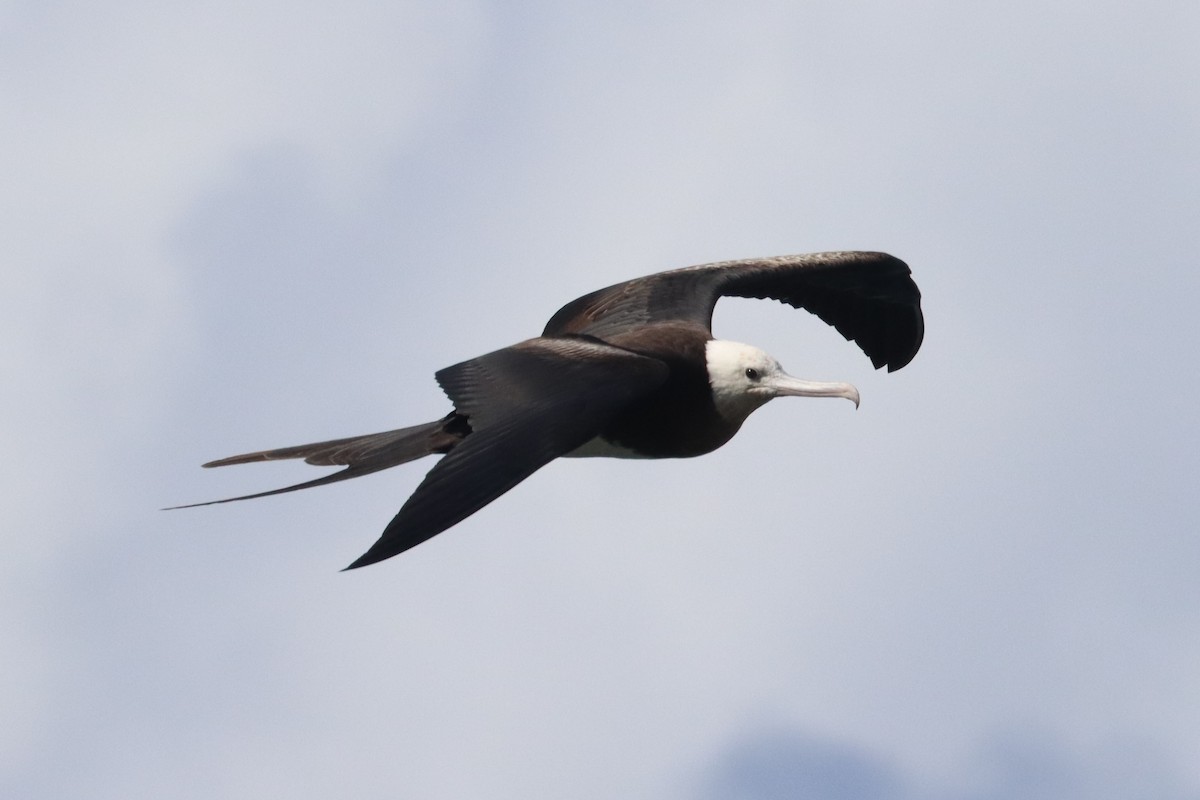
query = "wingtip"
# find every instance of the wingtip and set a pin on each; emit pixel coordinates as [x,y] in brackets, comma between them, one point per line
[380,551]
[366,559]
[900,362]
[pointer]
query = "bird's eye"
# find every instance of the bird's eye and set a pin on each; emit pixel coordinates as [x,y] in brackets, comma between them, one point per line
[752,373]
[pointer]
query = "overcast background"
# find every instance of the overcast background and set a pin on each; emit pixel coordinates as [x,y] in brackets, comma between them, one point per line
[235,225]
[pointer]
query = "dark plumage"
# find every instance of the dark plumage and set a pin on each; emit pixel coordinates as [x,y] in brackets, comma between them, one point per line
[631,371]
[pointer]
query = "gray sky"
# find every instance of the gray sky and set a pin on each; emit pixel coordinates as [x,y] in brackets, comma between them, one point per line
[241,225]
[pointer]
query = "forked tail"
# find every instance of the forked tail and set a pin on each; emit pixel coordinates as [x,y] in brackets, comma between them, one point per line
[361,455]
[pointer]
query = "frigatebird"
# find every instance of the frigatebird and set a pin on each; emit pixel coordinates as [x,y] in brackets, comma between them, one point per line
[629,371]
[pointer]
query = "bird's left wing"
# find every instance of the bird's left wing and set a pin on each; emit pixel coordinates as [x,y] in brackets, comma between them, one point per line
[870,298]
[527,405]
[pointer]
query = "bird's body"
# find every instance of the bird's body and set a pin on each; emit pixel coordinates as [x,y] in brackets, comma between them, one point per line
[628,371]
[679,419]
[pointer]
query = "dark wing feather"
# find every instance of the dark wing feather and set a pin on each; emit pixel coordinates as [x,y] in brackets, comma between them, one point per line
[870,298]
[527,405]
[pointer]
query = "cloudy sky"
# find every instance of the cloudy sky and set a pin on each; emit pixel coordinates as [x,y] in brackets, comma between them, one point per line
[234,225]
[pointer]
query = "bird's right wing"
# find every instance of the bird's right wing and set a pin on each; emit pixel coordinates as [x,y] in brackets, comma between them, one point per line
[526,405]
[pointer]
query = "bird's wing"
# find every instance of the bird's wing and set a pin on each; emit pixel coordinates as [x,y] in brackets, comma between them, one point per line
[526,405]
[870,298]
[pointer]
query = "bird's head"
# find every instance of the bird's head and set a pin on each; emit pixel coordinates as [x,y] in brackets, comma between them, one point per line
[743,378]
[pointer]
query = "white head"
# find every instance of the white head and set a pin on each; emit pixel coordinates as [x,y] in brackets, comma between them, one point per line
[743,378]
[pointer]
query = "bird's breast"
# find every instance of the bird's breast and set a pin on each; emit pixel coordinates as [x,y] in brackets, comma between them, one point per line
[599,447]
[677,420]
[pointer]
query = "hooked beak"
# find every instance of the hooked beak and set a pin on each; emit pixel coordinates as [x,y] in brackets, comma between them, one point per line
[786,385]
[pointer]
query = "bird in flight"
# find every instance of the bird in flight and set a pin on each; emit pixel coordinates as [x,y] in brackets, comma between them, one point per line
[629,371]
